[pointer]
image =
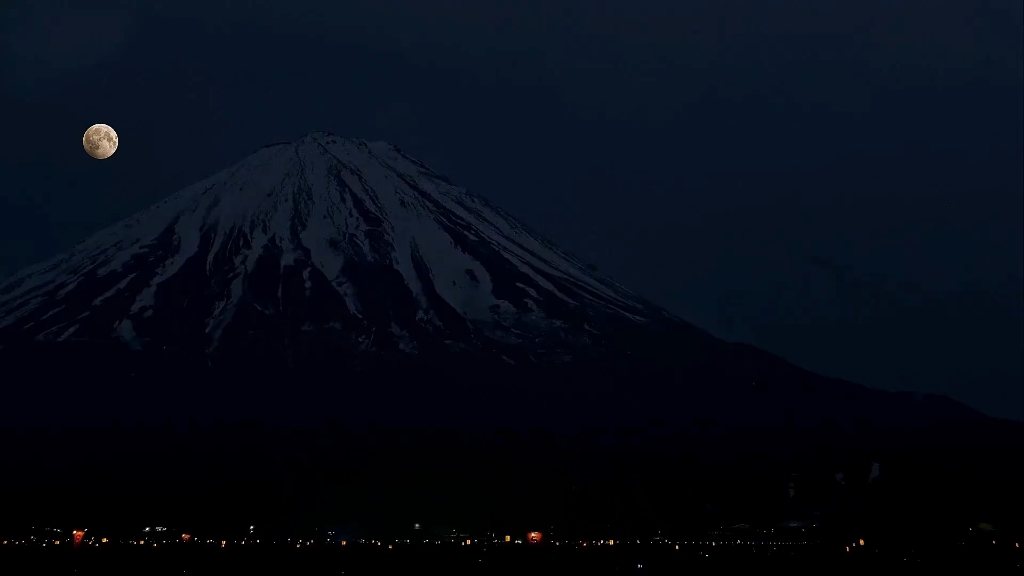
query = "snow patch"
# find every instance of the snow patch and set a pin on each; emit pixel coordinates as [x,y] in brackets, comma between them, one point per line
[126,332]
[52,312]
[117,288]
[67,333]
[67,288]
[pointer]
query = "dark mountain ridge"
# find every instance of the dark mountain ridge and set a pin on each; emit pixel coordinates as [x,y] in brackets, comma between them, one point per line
[359,325]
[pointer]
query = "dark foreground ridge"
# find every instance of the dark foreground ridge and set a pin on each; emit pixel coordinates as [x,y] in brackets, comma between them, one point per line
[671,376]
[134,436]
[621,477]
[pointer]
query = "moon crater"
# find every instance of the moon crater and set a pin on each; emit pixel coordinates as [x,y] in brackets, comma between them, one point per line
[100,141]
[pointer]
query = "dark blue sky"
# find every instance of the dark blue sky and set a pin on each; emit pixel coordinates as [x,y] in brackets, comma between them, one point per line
[837,182]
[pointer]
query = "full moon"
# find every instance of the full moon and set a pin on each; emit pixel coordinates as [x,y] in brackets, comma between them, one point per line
[100,141]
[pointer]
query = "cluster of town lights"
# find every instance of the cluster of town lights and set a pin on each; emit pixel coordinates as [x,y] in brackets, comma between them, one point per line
[78,538]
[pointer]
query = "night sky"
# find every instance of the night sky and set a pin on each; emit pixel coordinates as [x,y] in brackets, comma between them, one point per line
[836,182]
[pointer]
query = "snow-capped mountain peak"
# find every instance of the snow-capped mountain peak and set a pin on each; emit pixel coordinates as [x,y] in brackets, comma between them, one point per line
[344,242]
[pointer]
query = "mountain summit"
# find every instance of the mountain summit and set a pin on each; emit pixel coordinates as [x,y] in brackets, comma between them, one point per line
[337,264]
[322,243]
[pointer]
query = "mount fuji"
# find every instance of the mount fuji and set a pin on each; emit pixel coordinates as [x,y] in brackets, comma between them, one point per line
[329,242]
[340,280]
[347,268]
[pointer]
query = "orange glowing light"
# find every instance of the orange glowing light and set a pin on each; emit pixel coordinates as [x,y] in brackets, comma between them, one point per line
[508,538]
[77,536]
[343,542]
[861,541]
[467,542]
[534,537]
[223,543]
[186,537]
[611,542]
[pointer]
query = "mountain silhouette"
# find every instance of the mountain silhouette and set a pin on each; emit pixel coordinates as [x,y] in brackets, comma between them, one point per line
[335,280]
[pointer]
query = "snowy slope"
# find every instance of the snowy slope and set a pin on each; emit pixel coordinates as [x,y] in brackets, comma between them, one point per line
[341,243]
